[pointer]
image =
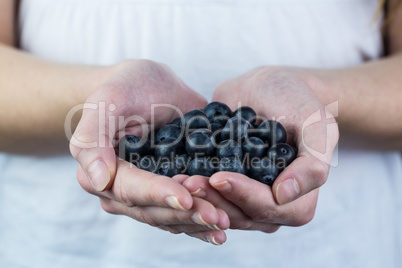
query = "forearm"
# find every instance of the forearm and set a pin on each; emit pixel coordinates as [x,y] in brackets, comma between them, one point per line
[369,97]
[36,96]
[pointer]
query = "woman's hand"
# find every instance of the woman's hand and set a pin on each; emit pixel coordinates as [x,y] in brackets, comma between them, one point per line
[283,95]
[122,105]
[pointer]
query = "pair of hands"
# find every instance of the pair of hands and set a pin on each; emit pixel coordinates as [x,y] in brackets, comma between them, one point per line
[199,206]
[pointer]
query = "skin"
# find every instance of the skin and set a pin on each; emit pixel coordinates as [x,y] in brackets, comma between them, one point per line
[369,98]
[33,127]
[198,206]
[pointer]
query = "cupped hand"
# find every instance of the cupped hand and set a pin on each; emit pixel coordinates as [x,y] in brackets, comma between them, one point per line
[285,96]
[140,93]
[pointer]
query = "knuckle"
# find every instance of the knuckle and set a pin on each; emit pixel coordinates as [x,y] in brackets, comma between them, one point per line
[320,172]
[154,191]
[179,219]
[156,68]
[305,218]
[122,194]
[144,217]
[241,224]
[334,134]
[108,206]
[271,229]
[279,76]
[145,63]
[267,215]
[75,150]
[223,85]
[245,196]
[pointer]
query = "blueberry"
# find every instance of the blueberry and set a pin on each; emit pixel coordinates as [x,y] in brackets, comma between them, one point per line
[131,148]
[169,148]
[264,170]
[195,119]
[228,148]
[247,113]
[218,112]
[216,132]
[216,127]
[236,129]
[182,162]
[231,164]
[169,131]
[212,139]
[270,131]
[168,168]
[200,143]
[281,154]
[296,150]
[177,121]
[201,166]
[148,163]
[254,147]
[152,138]
[146,147]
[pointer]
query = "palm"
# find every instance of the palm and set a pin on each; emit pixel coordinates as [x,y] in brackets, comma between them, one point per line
[140,94]
[286,97]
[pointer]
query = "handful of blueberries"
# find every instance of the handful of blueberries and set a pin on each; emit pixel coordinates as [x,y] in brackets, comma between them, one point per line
[211,140]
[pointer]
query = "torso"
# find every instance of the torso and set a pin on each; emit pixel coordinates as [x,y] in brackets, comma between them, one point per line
[204,42]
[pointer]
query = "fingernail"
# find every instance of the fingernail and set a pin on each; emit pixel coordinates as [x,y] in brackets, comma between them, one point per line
[197,218]
[211,239]
[199,193]
[223,186]
[173,202]
[99,175]
[216,227]
[287,191]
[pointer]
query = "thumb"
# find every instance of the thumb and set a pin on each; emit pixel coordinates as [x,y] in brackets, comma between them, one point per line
[91,145]
[310,169]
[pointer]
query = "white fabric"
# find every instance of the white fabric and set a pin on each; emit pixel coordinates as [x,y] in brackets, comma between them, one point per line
[47,220]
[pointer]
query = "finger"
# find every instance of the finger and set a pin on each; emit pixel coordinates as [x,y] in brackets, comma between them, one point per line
[214,237]
[92,146]
[199,186]
[223,224]
[180,178]
[252,197]
[223,219]
[310,169]
[136,187]
[85,183]
[203,216]
[300,211]
[256,200]
[303,175]
[188,228]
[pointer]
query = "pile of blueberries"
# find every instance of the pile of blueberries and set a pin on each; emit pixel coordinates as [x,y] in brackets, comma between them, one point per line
[211,140]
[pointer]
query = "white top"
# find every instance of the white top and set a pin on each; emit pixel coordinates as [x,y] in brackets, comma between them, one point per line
[48,220]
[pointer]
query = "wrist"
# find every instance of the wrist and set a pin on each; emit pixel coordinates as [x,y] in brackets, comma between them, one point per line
[90,78]
[320,83]
[86,80]
[318,80]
